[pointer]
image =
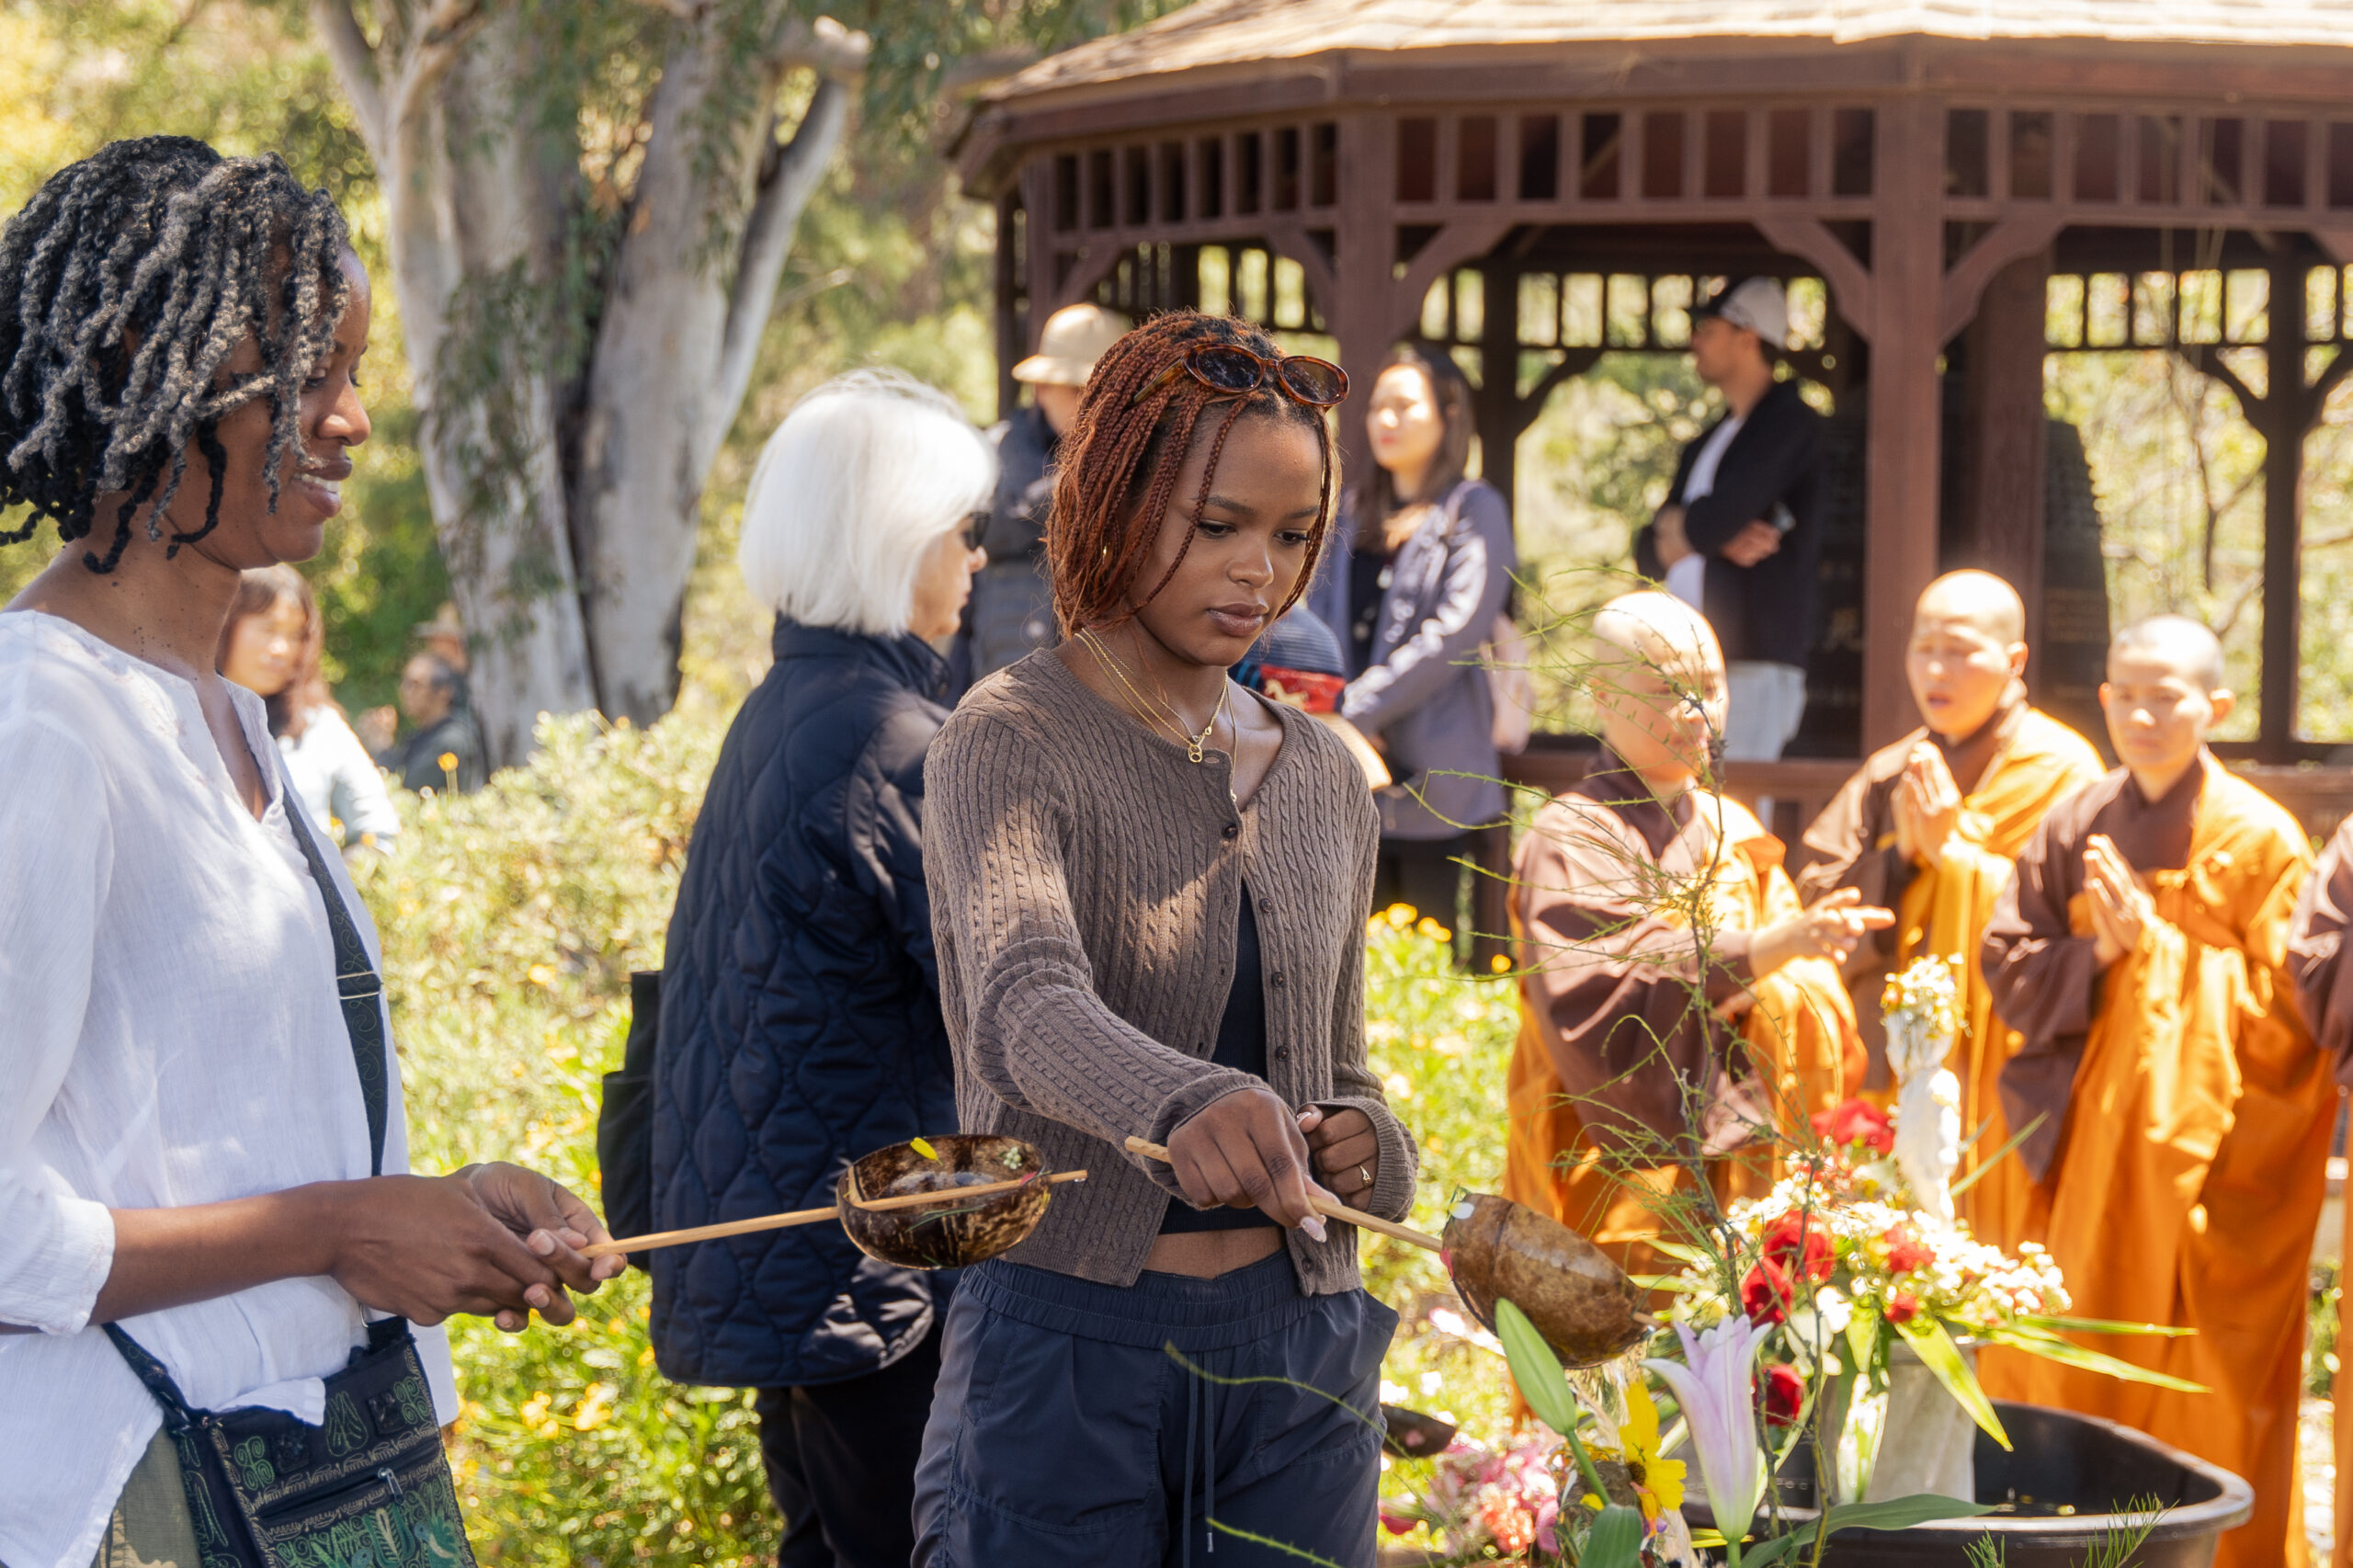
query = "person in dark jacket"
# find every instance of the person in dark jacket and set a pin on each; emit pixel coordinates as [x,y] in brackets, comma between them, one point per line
[1416,582]
[1740,536]
[801,1023]
[443,749]
[1012,610]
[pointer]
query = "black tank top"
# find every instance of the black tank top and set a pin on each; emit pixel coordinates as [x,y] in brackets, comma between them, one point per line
[1241,1045]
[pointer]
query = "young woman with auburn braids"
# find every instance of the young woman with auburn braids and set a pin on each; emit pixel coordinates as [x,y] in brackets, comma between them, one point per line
[1148,895]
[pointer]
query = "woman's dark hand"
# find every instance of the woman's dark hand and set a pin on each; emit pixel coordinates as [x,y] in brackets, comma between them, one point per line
[552,1220]
[429,1247]
[1245,1151]
[1346,1150]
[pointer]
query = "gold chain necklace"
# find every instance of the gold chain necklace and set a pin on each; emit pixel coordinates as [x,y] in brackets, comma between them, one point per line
[1159,711]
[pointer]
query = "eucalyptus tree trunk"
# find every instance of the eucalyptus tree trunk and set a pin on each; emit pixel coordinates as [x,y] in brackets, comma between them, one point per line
[580,320]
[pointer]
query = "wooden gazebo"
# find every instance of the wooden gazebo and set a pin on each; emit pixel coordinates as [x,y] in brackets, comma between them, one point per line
[1542,181]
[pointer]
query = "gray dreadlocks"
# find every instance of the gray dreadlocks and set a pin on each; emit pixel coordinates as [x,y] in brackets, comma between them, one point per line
[125,284]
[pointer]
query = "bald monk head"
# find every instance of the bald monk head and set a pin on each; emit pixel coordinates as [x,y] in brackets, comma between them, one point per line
[2163,696]
[1968,649]
[1658,679]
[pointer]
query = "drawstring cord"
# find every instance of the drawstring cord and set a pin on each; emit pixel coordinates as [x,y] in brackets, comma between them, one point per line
[1192,1426]
[1200,1424]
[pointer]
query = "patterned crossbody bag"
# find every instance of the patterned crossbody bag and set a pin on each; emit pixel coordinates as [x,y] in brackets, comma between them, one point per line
[370,1487]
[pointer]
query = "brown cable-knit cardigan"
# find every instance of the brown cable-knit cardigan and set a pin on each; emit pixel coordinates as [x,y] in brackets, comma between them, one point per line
[1086,881]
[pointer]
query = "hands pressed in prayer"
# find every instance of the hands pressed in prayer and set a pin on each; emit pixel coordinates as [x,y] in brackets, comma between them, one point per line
[1828,930]
[1347,1151]
[1927,805]
[1755,541]
[2121,909]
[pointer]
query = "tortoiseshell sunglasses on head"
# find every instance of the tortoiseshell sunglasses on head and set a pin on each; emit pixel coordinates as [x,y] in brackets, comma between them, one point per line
[1231,371]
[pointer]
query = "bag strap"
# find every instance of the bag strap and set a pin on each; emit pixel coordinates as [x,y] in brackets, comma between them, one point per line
[356,986]
[177,1416]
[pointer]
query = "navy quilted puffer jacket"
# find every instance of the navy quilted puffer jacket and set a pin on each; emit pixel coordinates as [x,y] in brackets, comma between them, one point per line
[801,1022]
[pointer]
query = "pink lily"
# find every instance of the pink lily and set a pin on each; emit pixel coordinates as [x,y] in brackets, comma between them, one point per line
[1711,1383]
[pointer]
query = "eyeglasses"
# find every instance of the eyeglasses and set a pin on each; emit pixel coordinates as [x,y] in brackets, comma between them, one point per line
[1231,371]
[975,522]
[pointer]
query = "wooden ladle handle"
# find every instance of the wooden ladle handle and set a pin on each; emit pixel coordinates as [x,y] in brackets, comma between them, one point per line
[811,1216]
[1323,1206]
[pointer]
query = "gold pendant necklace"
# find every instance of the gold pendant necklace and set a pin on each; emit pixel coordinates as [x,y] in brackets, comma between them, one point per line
[1160,711]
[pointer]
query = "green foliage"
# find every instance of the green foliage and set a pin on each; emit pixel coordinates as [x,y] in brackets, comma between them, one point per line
[511,921]
[2320,1338]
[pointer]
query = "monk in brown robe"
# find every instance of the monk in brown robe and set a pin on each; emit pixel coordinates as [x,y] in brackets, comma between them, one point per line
[2142,951]
[1929,826]
[2318,961]
[1656,928]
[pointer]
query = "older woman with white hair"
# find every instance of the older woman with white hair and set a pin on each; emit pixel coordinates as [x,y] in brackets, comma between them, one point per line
[801,1023]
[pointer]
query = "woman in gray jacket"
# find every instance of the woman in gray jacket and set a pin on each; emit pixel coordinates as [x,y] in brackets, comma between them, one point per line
[1422,569]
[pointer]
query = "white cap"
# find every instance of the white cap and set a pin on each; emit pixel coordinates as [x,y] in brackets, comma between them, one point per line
[1758,304]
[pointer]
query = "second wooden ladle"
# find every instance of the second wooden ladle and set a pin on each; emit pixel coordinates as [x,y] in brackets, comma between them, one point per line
[1579,1300]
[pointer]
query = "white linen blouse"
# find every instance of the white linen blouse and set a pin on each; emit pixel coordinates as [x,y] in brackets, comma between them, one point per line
[338,781]
[169,1035]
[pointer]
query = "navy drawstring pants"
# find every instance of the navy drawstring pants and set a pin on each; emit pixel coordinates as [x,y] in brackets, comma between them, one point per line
[1063,1431]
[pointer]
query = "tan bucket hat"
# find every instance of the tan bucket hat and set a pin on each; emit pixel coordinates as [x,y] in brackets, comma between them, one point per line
[1075,336]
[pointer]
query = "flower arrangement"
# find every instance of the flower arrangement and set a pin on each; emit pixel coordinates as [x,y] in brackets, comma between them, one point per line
[1857,1251]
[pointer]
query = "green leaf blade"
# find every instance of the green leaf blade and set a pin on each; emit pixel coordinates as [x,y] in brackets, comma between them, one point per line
[1928,1340]
[1903,1513]
[1536,1369]
[2067,1353]
[2061,1323]
[1616,1541]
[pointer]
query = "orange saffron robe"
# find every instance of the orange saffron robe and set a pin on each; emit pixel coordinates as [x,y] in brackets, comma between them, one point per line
[1605,885]
[2180,1180]
[1941,910]
[2317,958]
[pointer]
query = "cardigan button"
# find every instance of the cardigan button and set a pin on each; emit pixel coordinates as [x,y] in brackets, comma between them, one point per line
[1283,1053]
[1231,830]
[1277,980]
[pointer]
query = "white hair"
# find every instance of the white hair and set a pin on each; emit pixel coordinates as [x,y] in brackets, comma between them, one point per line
[862,477]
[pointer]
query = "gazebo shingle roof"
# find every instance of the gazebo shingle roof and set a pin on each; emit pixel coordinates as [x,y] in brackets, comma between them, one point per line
[1212,33]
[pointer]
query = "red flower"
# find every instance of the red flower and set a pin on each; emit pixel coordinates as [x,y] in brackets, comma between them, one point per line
[1906,1251]
[1784,1394]
[1793,1243]
[1857,1121]
[1903,1307]
[1766,1294]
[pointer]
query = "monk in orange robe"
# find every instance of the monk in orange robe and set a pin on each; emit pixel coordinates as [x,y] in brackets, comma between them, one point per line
[1656,928]
[1931,825]
[2141,953]
[2321,966]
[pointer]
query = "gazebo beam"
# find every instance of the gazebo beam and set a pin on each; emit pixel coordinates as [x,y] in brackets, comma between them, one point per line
[1902,456]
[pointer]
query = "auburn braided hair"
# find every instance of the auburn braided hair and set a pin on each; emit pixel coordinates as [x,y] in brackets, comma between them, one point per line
[125,284]
[1119,460]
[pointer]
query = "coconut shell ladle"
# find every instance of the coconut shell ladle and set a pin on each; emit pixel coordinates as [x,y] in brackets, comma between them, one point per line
[940,1203]
[1580,1301]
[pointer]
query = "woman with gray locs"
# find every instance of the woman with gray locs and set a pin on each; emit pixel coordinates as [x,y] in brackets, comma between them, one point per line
[1148,891]
[1420,572]
[801,1023]
[200,1080]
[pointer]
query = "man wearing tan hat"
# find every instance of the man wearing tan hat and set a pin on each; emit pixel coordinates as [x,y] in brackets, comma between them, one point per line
[1012,610]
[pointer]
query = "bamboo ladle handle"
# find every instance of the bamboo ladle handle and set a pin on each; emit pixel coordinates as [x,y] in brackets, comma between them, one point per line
[811,1216]
[1326,1207]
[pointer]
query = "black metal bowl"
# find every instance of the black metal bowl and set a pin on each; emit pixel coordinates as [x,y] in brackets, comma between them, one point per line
[953,1232]
[2096,1469]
